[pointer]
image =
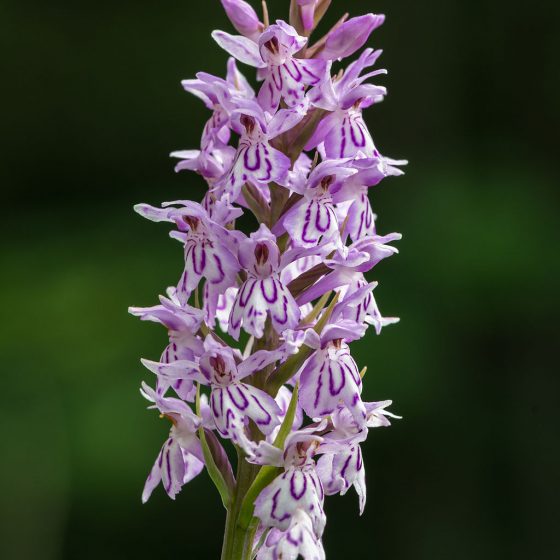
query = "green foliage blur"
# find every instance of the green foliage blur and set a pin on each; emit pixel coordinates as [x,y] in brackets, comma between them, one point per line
[91,107]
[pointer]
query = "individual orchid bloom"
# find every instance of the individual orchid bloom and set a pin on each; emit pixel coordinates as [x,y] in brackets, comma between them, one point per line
[231,401]
[347,38]
[376,247]
[209,250]
[256,161]
[262,294]
[216,131]
[285,76]
[179,319]
[297,176]
[293,340]
[221,97]
[211,163]
[180,458]
[298,487]
[358,304]
[341,465]
[298,540]
[360,221]
[349,263]
[183,322]
[221,211]
[331,376]
[377,416]
[343,426]
[343,133]
[244,18]
[314,216]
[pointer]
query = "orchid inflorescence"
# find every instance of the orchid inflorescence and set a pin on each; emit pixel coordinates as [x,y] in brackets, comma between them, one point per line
[292,295]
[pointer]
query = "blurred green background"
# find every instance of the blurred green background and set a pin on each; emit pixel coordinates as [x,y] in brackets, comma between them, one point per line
[91,106]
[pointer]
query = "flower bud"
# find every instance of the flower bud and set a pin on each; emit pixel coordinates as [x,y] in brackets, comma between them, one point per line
[350,36]
[243,18]
[307,8]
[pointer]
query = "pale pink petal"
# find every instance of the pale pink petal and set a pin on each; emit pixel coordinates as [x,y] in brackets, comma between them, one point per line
[242,48]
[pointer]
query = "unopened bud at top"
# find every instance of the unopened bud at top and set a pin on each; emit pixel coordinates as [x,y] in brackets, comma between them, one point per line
[243,17]
[307,8]
[346,39]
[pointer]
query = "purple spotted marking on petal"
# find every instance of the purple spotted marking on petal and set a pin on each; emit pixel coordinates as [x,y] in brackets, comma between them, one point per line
[268,417]
[316,483]
[332,388]
[345,467]
[230,416]
[268,173]
[168,470]
[293,490]
[244,402]
[318,225]
[283,319]
[222,275]
[243,296]
[319,386]
[276,76]
[291,540]
[274,296]
[343,137]
[257,157]
[315,78]
[216,410]
[307,224]
[199,259]
[358,137]
[295,71]
[275,506]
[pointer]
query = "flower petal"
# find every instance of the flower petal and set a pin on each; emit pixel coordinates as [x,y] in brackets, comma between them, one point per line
[296,488]
[331,376]
[239,47]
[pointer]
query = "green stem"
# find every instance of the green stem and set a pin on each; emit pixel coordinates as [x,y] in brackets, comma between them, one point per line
[238,539]
[228,536]
[243,543]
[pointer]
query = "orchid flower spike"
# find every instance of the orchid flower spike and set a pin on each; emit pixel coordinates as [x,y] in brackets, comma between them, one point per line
[276,282]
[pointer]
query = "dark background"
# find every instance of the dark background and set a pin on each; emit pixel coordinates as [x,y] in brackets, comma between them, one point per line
[91,106]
